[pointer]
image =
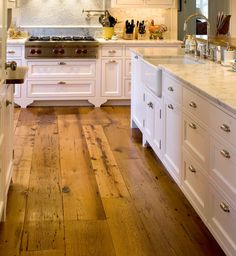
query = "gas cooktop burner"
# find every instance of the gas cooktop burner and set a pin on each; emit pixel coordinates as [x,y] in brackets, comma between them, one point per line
[61,47]
[61,38]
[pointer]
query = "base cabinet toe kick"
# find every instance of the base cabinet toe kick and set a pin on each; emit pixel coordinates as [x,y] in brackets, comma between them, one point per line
[197,145]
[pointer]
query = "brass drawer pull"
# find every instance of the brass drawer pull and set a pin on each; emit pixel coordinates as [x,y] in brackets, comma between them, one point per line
[112,61]
[225,153]
[193,126]
[224,207]
[11,52]
[150,104]
[170,106]
[225,128]
[192,104]
[112,51]
[61,82]
[171,89]
[192,169]
[61,63]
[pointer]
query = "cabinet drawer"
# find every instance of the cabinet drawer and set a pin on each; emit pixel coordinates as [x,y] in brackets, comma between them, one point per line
[223,124]
[112,51]
[61,69]
[172,88]
[222,219]
[14,51]
[194,183]
[196,105]
[222,166]
[60,89]
[196,140]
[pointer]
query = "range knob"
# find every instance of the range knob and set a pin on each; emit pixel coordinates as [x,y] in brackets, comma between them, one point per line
[61,51]
[78,51]
[85,51]
[55,51]
[38,51]
[32,51]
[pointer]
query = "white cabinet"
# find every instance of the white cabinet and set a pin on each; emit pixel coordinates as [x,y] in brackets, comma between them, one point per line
[153,121]
[137,94]
[16,53]
[143,3]
[172,155]
[222,219]
[11,3]
[111,77]
[6,144]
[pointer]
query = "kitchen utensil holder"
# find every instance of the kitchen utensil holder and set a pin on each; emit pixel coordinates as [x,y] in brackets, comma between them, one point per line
[107,32]
[127,36]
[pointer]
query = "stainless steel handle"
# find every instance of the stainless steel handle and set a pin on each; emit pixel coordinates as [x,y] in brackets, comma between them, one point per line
[112,61]
[150,104]
[61,82]
[61,63]
[225,153]
[8,102]
[192,104]
[224,207]
[112,51]
[11,52]
[193,126]
[136,57]
[170,106]
[171,89]
[192,169]
[12,65]
[225,128]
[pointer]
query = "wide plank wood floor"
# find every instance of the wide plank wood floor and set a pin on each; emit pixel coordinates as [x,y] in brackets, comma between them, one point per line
[84,186]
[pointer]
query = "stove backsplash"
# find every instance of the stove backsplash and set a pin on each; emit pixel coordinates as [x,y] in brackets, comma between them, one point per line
[61,19]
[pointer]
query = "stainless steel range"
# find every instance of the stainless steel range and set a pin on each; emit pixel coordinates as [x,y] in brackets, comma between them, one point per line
[61,47]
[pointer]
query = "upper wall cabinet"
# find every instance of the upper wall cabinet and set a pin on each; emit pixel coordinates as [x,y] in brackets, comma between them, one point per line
[143,3]
[11,3]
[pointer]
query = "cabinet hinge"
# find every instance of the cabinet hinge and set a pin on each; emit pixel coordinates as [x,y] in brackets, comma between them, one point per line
[143,123]
[160,113]
[160,144]
[144,97]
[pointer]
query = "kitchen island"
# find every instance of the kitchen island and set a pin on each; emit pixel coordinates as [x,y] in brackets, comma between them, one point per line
[191,127]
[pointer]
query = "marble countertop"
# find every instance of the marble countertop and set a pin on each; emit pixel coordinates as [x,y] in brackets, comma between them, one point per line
[210,79]
[123,41]
[118,41]
[17,76]
[16,41]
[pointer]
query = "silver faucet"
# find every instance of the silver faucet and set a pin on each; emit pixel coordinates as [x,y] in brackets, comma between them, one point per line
[199,15]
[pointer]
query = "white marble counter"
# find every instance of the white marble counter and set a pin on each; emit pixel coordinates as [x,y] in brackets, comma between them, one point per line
[212,80]
[134,42]
[16,41]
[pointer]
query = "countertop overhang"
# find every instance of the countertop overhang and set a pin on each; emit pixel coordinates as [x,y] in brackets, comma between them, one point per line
[17,76]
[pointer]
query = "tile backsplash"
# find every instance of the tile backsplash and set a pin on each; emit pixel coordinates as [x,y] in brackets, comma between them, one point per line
[66,17]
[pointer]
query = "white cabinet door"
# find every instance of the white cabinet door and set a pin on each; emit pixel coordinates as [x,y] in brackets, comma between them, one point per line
[172,138]
[137,94]
[2,40]
[117,3]
[111,77]
[8,134]
[159,2]
[152,121]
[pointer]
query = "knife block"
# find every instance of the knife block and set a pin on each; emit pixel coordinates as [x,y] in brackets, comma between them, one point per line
[127,36]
